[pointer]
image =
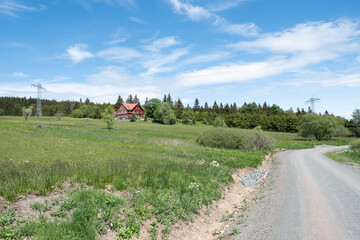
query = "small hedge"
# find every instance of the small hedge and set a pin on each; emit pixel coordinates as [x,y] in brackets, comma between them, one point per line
[235,139]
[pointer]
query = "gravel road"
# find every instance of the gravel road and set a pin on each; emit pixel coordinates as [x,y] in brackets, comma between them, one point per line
[307,197]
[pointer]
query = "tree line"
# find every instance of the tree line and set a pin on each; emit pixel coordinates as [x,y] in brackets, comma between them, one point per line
[247,116]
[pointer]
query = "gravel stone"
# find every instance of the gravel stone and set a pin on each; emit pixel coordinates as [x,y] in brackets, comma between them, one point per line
[253,179]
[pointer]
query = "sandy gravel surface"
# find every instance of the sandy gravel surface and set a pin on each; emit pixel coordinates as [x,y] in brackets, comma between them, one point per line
[307,197]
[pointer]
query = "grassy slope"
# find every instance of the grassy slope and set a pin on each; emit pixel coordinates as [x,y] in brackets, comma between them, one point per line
[347,156]
[161,162]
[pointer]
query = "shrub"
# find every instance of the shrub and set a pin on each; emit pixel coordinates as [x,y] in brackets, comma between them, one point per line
[186,121]
[219,122]
[108,116]
[258,128]
[261,140]
[164,114]
[355,144]
[133,118]
[235,139]
[320,126]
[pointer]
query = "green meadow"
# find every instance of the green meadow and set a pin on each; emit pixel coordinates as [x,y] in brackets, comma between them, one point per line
[166,176]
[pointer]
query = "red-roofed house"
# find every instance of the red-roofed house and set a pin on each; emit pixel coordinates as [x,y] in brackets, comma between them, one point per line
[125,110]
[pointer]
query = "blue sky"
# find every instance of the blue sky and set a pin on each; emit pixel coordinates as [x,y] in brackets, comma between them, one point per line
[239,51]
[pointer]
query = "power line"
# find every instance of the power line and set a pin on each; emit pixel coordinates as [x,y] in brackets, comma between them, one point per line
[38,102]
[312,101]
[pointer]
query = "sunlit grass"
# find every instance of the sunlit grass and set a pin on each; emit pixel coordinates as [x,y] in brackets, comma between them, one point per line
[157,164]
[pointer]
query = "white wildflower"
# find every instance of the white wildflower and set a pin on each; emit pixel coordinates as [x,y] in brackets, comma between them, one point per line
[214,164]
[200,162]
[194,185]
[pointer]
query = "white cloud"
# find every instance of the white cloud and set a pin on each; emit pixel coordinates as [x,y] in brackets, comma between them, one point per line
[116,41]
[125,3]
[223,5]
[244,72]
[137,20]
[336,36]
[13,7]
[158,63]
[119,53]
[162,43]
[195,13]
[111,75]
[19,74]
[77,53]
[245,29]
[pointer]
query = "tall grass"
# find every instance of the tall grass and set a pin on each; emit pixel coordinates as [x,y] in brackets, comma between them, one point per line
[168,182]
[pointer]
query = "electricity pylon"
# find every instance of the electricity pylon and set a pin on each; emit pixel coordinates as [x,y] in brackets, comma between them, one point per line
[312,101]
[38,102]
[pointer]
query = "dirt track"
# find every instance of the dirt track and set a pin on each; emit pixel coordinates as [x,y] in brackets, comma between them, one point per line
[308,197]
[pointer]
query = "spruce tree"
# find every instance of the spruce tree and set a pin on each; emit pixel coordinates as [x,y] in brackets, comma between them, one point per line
[196,105]
[164,99]
[146,101]
[136,100]
[178,108]
[119,101]
[130,99]
[169,100]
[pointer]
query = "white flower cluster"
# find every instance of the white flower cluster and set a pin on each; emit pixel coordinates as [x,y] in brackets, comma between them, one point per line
[194,185]
[200,162]
[214,164]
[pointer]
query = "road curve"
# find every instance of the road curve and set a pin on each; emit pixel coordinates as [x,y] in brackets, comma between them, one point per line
[313,197]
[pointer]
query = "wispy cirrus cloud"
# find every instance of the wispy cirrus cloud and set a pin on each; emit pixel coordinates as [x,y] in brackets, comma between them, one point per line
[137,20]
[335,36]
[124,3]
[222,5]
[19,74]
[119,53]
[162,43]
[77,53]
[197,13]
[14,7]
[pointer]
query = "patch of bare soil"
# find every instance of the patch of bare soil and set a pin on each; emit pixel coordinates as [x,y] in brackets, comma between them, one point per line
[215,220]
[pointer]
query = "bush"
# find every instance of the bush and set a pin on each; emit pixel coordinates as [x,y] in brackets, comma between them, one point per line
[186,121]
[235,139]
[219,122]
[261,140]
[133,118]
[355,144]
[321,126]
[164,114]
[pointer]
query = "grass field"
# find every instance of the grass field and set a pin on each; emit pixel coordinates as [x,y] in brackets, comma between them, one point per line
[167,176]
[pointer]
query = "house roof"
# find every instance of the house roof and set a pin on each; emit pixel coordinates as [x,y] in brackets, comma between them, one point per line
[131,106]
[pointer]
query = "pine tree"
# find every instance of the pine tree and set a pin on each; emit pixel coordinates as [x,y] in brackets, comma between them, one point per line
[119,101]
[234,108]
[178,108]
[164,99]
[227,109]
[136,100]
[221,108]
[169,100]
[87,101]
[196,105]
[215,107]
[206,107]
[130,99]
